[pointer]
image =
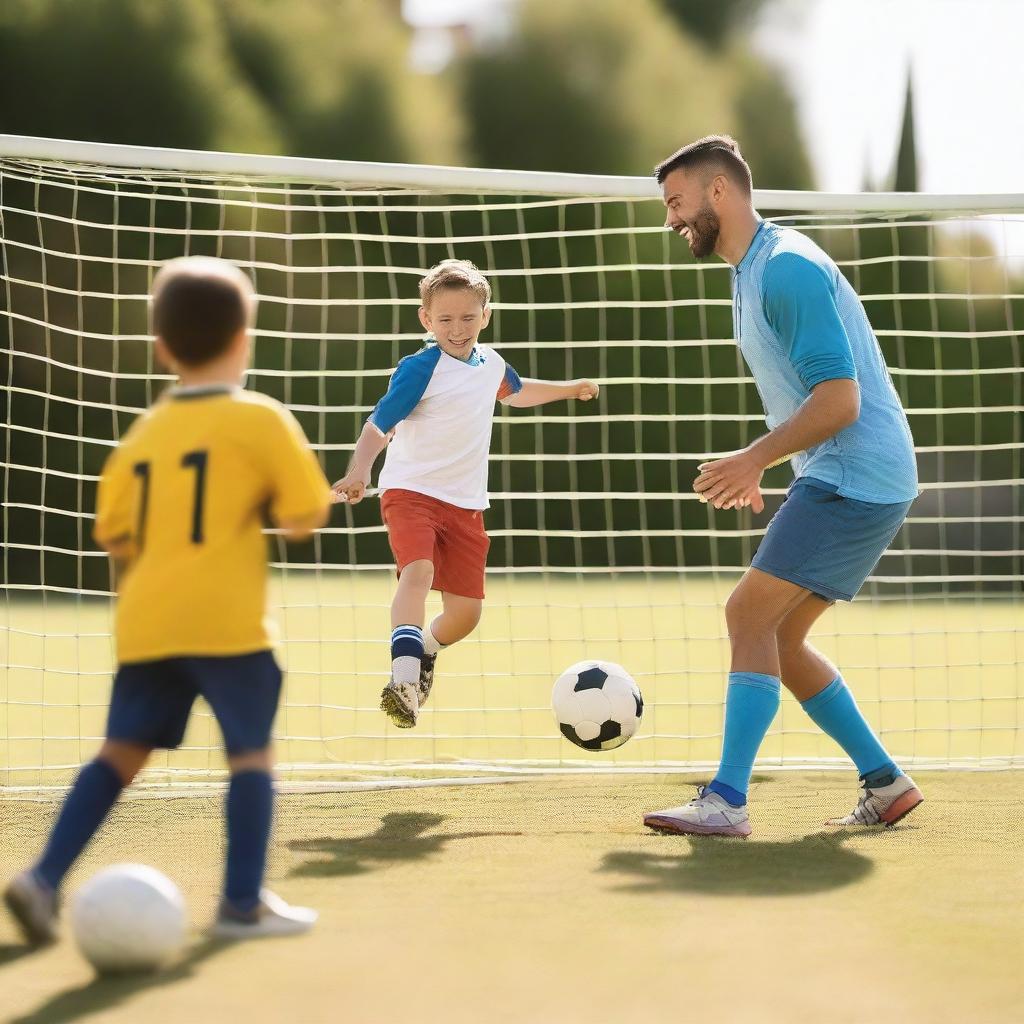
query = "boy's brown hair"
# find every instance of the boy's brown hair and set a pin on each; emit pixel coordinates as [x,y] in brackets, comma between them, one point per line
[454,274]
[199,305]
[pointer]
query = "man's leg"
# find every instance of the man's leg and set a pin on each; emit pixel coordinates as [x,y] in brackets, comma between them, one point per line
[888,793]
[753,613]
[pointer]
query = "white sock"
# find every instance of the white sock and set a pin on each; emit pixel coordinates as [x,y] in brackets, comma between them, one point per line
[431,645]
[405,669]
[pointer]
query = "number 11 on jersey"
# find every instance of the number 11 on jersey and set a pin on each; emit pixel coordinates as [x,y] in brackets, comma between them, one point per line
[191,460]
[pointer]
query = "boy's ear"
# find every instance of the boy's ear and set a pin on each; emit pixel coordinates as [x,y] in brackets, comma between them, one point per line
[424,318]
[486,317]
[163,355]
[241,341]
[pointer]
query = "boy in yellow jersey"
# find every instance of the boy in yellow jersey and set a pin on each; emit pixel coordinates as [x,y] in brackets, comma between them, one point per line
[180,507]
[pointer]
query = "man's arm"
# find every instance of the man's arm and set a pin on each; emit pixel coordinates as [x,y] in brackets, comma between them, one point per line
[799,303]
[541,392]
[734,482]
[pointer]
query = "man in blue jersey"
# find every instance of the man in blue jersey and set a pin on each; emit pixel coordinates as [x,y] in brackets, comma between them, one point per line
[828,397]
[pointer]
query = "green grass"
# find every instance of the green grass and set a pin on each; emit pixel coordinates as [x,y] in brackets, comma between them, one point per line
[547,901]
[939,679]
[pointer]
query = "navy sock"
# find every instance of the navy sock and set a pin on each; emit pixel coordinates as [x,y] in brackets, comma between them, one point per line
[835,712]
[750,705]
[250,808]
[406,653]
[94,792]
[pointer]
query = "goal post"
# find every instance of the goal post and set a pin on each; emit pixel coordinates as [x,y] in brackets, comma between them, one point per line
[599,547]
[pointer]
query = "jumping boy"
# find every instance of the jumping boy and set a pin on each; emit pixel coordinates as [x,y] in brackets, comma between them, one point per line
[439,407]
[180,508]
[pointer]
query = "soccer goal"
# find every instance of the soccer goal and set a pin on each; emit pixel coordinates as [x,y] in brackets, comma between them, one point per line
[600,548]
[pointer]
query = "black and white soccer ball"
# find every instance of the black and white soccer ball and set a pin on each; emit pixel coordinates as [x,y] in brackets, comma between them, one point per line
[597,704]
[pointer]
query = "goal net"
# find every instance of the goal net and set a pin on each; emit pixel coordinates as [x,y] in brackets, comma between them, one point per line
[600,548]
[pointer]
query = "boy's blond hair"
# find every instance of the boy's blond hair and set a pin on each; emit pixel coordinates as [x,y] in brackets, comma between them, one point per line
[454,274]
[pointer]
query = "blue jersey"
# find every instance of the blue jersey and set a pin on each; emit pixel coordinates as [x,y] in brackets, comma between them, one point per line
[799,322]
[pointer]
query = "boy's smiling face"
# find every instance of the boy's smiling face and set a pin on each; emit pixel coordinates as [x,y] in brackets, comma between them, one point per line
[455,317]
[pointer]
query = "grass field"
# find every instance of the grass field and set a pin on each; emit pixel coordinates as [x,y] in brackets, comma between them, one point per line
[543,899]
[941,679]
[546,901]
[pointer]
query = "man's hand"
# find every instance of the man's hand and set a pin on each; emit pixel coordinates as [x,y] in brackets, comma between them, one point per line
[732,482]
[586,391]
[350,489]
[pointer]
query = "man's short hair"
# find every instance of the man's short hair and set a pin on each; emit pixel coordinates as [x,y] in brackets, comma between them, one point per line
[199,305]
[714,154]
[454,274]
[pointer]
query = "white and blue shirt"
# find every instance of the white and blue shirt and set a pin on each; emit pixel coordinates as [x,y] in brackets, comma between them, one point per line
[442,410]
[799,322]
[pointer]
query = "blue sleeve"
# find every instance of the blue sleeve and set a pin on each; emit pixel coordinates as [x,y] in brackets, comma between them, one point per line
[510,384]
[406,388]
[800,305]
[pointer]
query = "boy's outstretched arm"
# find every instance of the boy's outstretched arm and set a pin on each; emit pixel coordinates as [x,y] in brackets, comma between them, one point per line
[352,486]
[540,392]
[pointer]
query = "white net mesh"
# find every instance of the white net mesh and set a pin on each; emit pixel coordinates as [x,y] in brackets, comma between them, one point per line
[600,549]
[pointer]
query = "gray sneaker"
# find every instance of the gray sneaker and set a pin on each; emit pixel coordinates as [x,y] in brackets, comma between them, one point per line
[270,918]
[423,688]
[883,805]
[708,814]
[400,702]
[34,906]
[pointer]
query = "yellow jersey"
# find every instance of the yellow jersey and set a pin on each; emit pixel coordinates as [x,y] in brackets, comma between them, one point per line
[185,495]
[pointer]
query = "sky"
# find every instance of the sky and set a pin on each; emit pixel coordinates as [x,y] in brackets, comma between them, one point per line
[847,63]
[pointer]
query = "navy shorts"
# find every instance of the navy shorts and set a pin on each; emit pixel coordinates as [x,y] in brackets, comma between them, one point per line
[826,543]
[152,700]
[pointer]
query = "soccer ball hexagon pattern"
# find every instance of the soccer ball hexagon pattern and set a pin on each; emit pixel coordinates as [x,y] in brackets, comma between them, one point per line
[128,917]
[597,705]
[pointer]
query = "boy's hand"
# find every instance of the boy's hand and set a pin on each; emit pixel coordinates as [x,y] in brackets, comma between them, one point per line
[586,391]
[732,482]
[350,489]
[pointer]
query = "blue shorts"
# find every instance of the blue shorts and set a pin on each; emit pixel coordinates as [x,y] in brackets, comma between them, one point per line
[151,700]
[826,543]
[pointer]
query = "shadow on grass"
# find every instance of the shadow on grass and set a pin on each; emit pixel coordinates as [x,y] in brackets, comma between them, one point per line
[102,993]
[9,952]
[401,837]
[733,867]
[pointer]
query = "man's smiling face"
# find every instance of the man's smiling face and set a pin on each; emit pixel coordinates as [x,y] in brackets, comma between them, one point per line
[689,212]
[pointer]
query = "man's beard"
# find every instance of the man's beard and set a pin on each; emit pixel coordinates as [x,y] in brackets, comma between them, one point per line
[704,232]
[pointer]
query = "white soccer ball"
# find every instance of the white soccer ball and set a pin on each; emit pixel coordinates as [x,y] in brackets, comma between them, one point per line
[597,704]
[128,917]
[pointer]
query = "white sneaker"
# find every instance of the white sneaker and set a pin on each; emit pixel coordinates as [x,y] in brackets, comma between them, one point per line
[708,814]
[400,702]
[33,904]
[883,805]
[271,917]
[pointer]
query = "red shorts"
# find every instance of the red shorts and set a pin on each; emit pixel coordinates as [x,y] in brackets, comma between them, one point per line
[453,538]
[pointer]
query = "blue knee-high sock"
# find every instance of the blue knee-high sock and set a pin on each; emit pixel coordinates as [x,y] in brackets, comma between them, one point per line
[835,712]
[750,706]
[94,792]
[250,807]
